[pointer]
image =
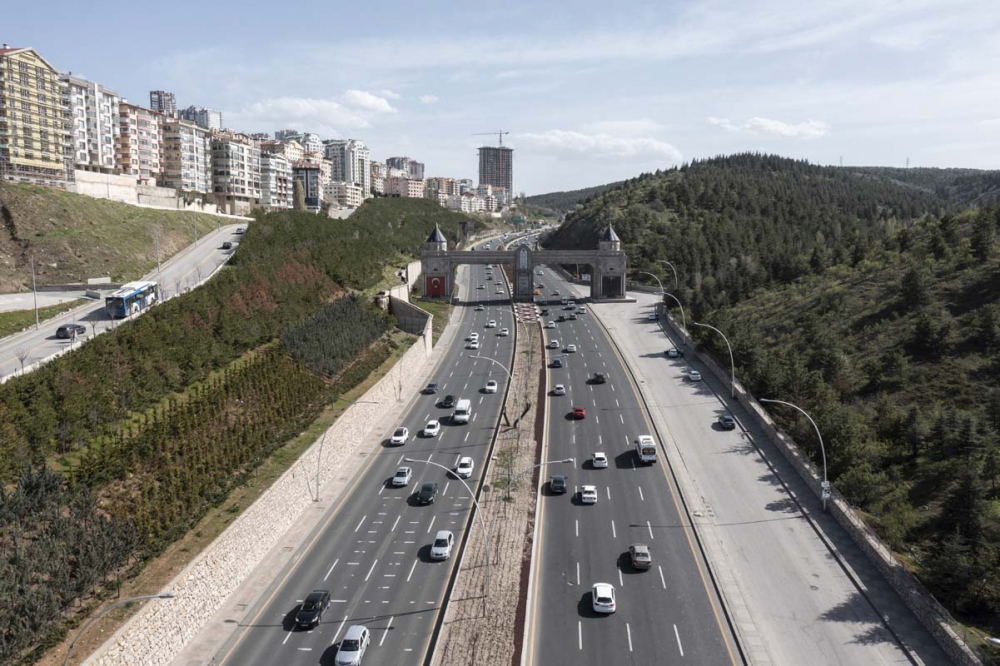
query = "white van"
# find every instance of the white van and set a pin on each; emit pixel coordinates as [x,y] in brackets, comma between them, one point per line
[645,448]
[463,411]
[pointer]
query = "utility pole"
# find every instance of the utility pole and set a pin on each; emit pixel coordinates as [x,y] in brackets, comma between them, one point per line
[156,240]
[34,293]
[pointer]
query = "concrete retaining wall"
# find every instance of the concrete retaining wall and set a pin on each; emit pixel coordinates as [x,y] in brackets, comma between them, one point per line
[160,631]
[931,614]
[125,189]
[412,319]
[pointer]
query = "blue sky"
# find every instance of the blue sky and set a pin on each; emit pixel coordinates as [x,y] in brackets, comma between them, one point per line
[591,92]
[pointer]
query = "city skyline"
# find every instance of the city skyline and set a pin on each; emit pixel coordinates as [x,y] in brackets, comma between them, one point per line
[871,85]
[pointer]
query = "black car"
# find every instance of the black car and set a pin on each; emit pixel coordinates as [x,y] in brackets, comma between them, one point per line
[67,331]
[600,378]
[562,318]
[727,422]
[558,484]
[311,611]
[556,362]
[227,246]
[431,388]
[545,311]
[448,402]
[427,493]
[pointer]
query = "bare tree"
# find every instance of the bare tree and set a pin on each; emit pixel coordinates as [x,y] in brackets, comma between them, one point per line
[22,354]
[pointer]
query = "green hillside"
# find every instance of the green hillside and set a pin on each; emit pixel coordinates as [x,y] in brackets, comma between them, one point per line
[73,237]
[554,204]
[872,300]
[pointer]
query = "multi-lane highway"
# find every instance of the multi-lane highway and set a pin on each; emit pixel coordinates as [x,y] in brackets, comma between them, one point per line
[372,552]
[183,270]
[668,614]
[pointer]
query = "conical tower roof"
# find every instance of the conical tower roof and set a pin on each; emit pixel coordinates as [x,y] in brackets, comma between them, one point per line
[610,235]
[436,236]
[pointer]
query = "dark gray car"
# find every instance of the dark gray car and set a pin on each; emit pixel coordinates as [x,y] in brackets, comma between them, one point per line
[311,612]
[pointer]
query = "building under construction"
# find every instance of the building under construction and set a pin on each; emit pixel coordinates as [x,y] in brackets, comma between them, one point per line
[496,167]
[33,130]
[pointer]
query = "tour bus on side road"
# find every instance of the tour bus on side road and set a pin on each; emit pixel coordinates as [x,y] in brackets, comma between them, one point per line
[463,411]
[645,448]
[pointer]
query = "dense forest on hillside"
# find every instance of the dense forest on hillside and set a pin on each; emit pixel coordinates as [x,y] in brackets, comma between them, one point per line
[554,204]
[142,429]
[871,301]
[956,186]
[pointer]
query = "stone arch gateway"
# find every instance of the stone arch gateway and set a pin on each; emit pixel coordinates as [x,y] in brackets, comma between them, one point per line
[607,265]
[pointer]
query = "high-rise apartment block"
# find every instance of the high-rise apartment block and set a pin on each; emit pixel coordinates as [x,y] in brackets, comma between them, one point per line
[402,186]
[32,119]
[202,117]
[351,163]
[307,175]
[496,167]
[93,123]
[347,194]
[163,102]
[275,181]
[378,177]
[187,157]
[290,148]
[235,172]
[139,143]
[409,165]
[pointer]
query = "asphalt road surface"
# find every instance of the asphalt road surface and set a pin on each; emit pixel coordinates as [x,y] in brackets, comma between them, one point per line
[669,614]
[183,269]
[372,552]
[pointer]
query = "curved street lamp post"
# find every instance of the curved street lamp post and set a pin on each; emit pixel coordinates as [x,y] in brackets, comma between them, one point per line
[732,363]
[664,261]
[512,477]
[826,483]
[69,651]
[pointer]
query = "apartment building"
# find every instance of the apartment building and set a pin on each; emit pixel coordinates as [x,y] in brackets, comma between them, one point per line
[496,166]
[290,148]
[163,102]
[208,118]
[351,163]
[236,165]
[378,177]
[140,143]
[443,185]
[467,203]
[400,186]
[93,124]
[347,194]
[407,164]
[275,181]
[307,175]
[33,131]
[186,164]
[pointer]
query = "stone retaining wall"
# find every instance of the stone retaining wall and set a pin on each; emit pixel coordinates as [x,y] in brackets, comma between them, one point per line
[931,614]
[412,319]
[160,631]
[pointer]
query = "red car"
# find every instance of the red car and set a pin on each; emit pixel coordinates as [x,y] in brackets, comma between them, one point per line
[579,412]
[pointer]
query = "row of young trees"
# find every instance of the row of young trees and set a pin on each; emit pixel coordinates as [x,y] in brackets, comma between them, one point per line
[357,327]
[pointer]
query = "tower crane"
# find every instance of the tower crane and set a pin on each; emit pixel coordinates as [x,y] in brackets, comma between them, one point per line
[499,133]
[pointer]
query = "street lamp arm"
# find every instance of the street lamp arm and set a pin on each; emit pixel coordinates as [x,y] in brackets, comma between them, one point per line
[524,471]
[69,651]
[822,449]
[732,362]
[683,318]
[491,360]
[664,261]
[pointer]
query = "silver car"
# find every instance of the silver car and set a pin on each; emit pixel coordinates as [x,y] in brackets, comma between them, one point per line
[352,648]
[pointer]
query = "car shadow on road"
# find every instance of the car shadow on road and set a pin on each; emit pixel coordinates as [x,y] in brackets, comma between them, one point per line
[585,608]
[288,622]
[625,460]
[625,565]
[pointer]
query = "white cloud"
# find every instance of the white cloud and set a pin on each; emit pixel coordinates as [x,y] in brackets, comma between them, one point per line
[428,99]
[628,128]
[809,129]
[367,101]
[389,94]
[577,144]
[325,116]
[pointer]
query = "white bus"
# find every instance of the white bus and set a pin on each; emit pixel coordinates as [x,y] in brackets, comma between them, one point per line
[131,298]
[645,448]
[463,411]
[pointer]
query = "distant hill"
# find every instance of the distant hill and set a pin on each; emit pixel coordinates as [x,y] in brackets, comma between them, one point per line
[957,186]
[74,237]
[555,204]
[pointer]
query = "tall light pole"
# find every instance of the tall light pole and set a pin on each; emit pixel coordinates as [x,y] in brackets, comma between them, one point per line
[664,261]
[509,375]
[488,533]
[69,651]
[660,284]
[683,318]
[511,477]
[319,458]
[34,292]
[732,363]
[826,483]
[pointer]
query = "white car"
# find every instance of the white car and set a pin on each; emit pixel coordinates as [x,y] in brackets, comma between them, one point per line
[558,389]
[444,541]
[504,332]
[550,324]
[588,494]
[402,477]
[464,469]
[553,344]
[353,646]
[492,323]
[571,303]
[652,316]
[570,349]
[599,460]
[491,386]
[473,345]
[603,597]
[694,376]
[673,353]
[432,429]
[472,336]
[482,286]
[479,308]
[399,436]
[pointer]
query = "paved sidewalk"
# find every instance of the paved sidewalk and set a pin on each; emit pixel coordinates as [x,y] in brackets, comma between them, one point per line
[800,589]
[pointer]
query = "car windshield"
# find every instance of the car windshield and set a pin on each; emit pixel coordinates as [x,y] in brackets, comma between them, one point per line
[310,605]
[440,543]
[427,488]
[349,645]
[399,432]
[401,472]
